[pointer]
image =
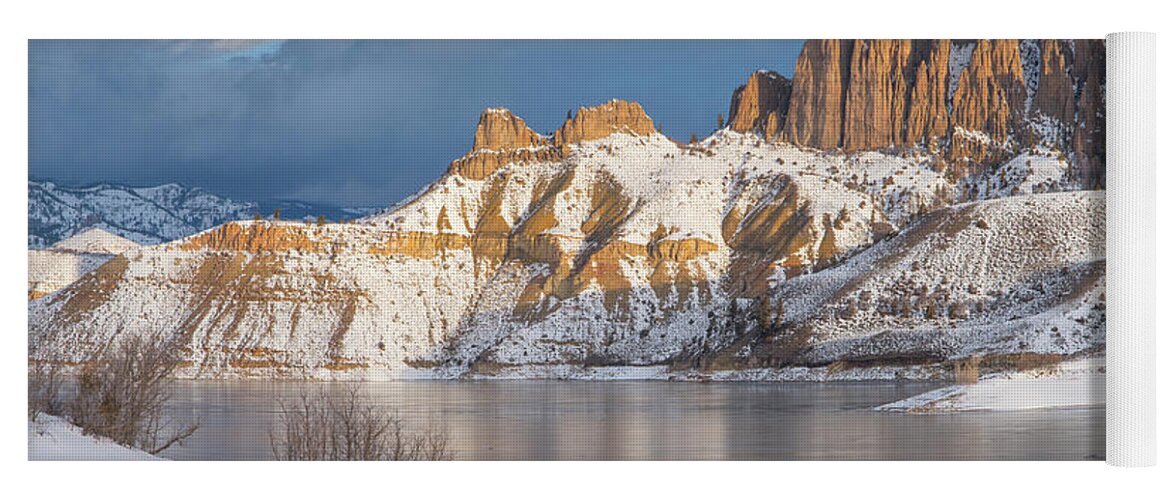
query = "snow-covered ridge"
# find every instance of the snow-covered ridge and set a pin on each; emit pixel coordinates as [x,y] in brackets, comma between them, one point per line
[148,215]
[95,240]
[144,215]
[54,268]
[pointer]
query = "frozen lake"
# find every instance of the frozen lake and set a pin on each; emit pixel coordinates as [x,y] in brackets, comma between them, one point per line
[654,420]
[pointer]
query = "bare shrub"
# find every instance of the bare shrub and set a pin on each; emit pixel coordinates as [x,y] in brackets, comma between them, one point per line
[348,427]
[44,390]
[121,392]
[967,371]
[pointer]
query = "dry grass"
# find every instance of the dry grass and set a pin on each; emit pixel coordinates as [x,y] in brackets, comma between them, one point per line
[348,427]
[1021,361]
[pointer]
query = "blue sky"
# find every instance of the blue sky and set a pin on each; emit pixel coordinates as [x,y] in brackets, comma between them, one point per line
[346,123]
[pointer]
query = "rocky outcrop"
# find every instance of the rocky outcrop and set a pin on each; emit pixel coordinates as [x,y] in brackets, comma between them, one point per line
[896,94]
[616,116]
[479,165]
[927,111]
[1054,97]
[761,104]
[876,98]
[819,85]
[256,237]
[869,94]
[988,104]
[500,129]
[976,103]
[501,139]
[1089,137]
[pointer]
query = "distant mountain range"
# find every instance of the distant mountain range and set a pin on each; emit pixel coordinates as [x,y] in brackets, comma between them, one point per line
[147,215]
[898,203]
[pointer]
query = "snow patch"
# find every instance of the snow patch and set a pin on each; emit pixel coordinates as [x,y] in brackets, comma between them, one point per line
[1069,384]
[54,438]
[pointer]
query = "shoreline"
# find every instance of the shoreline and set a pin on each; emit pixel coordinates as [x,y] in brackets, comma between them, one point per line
[936,372]
[1070,384]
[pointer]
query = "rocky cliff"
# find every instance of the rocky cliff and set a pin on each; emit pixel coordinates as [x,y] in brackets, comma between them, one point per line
[818,101]
[761,104]
[502,138]
[980,102]
[597,122]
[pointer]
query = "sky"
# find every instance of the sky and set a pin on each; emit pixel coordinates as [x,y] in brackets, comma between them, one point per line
[344,123]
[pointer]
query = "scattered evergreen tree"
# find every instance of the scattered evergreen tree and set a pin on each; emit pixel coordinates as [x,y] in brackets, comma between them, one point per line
[276,214]
[320,220]
[720,122]
[694,139]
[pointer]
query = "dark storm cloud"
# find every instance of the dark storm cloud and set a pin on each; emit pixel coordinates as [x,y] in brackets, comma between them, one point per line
[342,122]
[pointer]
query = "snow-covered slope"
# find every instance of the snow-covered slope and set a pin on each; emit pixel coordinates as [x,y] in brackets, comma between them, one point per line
[53,268]
[1012,275]
[606,244]
[54,438]
[95,240]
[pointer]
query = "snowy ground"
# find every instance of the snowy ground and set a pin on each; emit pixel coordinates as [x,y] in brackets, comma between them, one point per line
[54,438]
[1073,383]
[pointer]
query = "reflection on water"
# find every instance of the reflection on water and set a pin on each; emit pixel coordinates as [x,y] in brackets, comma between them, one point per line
[641,420]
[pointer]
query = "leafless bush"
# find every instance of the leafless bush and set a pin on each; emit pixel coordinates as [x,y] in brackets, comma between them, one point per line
[121,392]
[348,427]
[45,381]
[967,371]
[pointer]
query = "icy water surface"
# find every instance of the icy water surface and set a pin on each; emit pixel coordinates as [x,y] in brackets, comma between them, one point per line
[653,420]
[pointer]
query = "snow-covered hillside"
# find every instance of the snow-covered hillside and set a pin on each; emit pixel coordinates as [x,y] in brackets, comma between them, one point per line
[610,244]
[94,240]
[54,268]
[1018,274]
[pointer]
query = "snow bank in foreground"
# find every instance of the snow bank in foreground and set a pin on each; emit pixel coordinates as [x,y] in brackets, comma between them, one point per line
[1073,383]
[54,438]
